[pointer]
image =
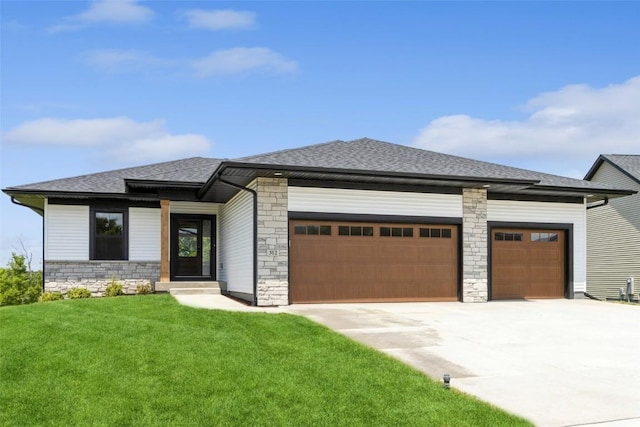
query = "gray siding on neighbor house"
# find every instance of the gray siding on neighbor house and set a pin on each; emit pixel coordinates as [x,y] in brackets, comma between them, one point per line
[235,262]
[613,237]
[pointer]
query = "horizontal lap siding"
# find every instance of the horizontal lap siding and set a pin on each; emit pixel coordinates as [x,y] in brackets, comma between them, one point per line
[66,232]
[236,243]
[193,208]
[328,200]
[144,234]
[613,238]
[547,212]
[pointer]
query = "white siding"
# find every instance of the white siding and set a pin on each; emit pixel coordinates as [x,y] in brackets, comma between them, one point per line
[144,234]
[613,239]
[546,212]
[66,232]
[235,262]
[309,199]
[195,208]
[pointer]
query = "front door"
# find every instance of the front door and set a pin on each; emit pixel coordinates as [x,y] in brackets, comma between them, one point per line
[193,247]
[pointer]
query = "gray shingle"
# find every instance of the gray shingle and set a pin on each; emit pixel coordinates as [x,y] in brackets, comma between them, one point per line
[195,169]
[371,155]
[367,155]
[630,163]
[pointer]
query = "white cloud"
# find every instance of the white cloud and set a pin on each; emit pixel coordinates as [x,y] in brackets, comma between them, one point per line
[106,11]
[118,59]
[121,138]
[165,147]
[220,19]
[564,131]
[242,59]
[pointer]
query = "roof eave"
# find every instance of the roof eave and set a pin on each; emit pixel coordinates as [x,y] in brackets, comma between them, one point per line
[601,159]
[15,192]
[382,174]
[155,184]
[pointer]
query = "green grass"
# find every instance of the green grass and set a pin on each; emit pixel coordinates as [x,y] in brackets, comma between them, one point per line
[147,360]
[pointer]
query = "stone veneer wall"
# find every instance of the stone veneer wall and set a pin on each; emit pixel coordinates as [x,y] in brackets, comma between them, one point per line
[273,242]
[474,245]
[61,276]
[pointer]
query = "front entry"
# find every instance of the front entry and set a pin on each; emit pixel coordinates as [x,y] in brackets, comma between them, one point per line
[193,247]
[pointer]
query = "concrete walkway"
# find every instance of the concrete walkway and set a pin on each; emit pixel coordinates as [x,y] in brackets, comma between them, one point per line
[554,362]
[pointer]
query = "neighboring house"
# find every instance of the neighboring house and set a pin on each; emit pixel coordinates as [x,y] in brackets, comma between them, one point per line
[363,220]
[613,229]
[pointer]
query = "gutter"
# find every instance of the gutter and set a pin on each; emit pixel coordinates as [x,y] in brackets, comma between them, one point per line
[255,234]
[41,211]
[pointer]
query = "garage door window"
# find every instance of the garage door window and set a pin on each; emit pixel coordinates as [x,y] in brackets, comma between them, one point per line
[444,233]
[322,230]
[510,237]
[396,231]
[544,237]
[346,230]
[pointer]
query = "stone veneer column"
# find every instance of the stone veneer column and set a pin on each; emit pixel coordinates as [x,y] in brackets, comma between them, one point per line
[474,245]
[273,241]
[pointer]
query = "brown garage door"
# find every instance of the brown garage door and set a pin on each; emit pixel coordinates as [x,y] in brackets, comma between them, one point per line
[527,263]
[347,261]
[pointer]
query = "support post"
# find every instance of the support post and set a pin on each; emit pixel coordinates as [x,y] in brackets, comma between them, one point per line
[164,240]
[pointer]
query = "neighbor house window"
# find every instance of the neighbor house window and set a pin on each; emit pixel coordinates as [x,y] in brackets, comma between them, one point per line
[108,235]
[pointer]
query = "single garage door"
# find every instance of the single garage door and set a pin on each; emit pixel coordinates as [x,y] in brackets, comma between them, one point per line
[339,261]
[527,263]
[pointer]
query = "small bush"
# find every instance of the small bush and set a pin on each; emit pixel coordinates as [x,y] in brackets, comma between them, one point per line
[113,289]
[19,285]
[78,293]
[50,296]
[144,289]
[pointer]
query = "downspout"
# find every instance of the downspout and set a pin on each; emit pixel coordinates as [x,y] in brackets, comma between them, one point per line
[41,211]
[255,235]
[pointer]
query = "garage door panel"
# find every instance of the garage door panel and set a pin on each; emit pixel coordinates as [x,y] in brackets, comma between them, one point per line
[527,263]
[397,266]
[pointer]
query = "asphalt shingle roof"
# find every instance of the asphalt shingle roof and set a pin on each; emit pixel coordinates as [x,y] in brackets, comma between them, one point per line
[364,154]
[630,163]
[194,169]
[376,156]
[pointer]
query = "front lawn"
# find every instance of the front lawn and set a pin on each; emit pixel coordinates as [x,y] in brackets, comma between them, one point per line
[147,360]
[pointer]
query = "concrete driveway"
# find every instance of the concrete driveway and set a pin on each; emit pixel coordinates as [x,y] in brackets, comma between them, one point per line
[554,362]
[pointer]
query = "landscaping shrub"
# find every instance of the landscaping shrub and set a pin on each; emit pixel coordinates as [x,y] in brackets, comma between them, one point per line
[50,296]
[144,289]
[113,289]
[78,293]
[19,285]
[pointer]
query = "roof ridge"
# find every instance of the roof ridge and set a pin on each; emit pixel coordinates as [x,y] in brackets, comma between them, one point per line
[285,150]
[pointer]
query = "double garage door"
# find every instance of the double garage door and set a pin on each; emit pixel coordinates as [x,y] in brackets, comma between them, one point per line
[341,261]
[334,261]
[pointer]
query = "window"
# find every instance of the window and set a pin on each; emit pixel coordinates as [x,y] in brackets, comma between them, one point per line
[444,233]
[396,231]
[346,230]
[108,235]
[544,237]
[314,230]
[511,237]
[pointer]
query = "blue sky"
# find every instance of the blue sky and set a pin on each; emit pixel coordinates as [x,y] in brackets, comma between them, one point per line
[92,86]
